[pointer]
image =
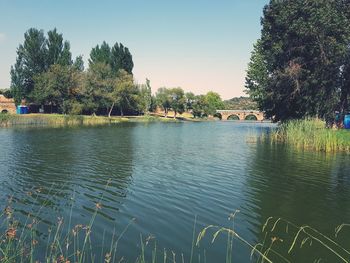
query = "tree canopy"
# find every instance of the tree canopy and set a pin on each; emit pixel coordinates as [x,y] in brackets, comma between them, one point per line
[46,75]
[299,66]
[118,57]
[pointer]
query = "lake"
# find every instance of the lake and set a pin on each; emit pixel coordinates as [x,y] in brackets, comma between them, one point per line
[155,181]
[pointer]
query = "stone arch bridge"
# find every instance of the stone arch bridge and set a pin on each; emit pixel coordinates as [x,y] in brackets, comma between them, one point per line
[7,105]
[240,115]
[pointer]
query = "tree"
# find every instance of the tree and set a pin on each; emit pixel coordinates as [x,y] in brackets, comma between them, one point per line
[31,60]
[58,52]
[297,68]
[163,99]
[125,92]
[145,97]
[59,86]
[118,57]
[190,99]
[257,76]
[79,63]
[100,55]
[214,102]
[34,57]
[177,100]
[199,106]
[98,87]
[121,58]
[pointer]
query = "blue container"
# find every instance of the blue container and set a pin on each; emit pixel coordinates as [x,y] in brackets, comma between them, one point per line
[347,121]
[22,110]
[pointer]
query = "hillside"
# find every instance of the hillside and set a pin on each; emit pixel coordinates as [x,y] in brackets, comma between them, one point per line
[240,103]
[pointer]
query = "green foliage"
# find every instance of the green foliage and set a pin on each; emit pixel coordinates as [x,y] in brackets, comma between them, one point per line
[58,52]
[7,93]
[240,103]
[214,102]
[79,63]
[34,57]
[57,86]
[118,57]
[190,99]
[171,98]
[100,54]
[199,106]
[177,100]
[145,97]
[297,67]
[163,99]
[125,92]
[98,87]
[121,58]
[257,76]
[45,74]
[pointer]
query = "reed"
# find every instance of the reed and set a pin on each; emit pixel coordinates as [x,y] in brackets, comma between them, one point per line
[66,243]
[19,242]
[312,134]
[59,120]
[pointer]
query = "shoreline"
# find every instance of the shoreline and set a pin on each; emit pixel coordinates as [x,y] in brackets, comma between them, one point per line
[59,120]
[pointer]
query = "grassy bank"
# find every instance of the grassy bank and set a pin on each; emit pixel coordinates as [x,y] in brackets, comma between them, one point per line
[8,120]
[312,134]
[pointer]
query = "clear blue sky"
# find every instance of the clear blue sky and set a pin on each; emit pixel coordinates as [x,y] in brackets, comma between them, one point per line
[199,45]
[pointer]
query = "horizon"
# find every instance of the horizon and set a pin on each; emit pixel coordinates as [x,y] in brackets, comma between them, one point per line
[189,45]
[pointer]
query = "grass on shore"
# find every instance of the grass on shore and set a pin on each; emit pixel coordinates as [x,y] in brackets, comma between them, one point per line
[54,120]
[312,134]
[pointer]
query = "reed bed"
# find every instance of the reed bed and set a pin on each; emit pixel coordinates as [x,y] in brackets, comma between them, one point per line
[312,134]
[59,120]
[66,243]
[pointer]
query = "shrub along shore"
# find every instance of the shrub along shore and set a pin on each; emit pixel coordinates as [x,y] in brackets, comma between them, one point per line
[312,134]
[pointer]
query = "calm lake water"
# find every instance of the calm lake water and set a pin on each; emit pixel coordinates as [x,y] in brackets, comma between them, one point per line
[163,175]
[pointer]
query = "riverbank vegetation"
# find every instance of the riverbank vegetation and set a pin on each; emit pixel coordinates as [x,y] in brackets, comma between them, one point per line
[47,78]
[312,134]
[300,66]
[27,241]
[53,120]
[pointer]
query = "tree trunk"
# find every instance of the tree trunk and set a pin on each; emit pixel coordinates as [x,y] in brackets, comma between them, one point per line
[175,114]
[165,112]
[121,112]
[110,111]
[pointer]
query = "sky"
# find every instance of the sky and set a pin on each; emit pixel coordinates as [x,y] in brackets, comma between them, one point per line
[199,45]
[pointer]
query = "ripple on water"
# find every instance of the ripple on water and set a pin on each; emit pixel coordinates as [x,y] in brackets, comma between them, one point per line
[166,174]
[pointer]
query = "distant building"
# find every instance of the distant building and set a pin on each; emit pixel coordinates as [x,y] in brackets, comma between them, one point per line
[7,105]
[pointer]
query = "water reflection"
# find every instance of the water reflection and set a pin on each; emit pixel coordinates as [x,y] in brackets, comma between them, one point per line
[305,188]
[163,175]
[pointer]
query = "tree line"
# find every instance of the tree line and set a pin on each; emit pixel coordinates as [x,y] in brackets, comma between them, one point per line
[46,74]
[300,66]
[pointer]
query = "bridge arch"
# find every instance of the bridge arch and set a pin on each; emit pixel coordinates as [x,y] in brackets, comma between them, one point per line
[233,117]
[251,117]
[4,111]
[241,114]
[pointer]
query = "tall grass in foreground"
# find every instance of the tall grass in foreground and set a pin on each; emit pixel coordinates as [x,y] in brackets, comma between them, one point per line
[19,242]
[312,134]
